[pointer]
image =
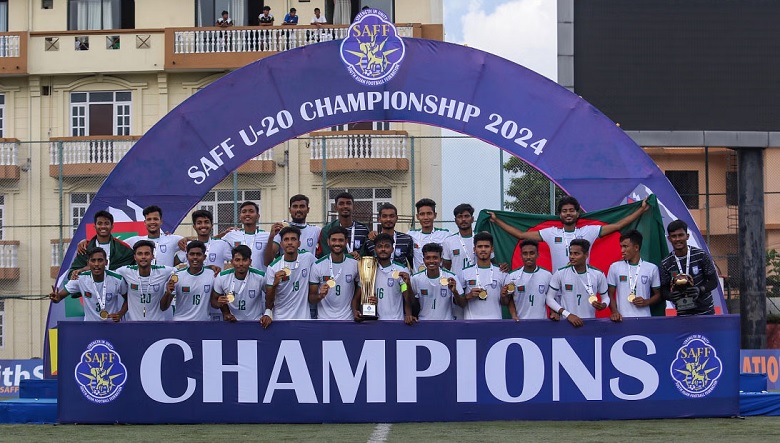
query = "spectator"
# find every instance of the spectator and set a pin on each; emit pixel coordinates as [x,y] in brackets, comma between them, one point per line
[225,20]
[318,20]
[266,19]
[291,18]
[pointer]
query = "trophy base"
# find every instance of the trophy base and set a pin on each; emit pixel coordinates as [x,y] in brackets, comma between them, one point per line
[368,312]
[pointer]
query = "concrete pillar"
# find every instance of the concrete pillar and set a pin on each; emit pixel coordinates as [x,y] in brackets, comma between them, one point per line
[752,248]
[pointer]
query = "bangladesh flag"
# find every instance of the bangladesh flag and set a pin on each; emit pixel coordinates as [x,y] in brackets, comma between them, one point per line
[603,253]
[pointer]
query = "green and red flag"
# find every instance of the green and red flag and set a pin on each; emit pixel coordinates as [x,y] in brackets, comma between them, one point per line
[604,252]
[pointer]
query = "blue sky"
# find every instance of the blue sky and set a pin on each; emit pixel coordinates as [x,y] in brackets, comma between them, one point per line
[523,31]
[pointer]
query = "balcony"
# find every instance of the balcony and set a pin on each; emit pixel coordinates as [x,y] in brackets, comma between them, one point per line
[96,156]
[9,264]
[219,48]
[346,151]
[105,51]
[9,159]
[56,259]
[13,53]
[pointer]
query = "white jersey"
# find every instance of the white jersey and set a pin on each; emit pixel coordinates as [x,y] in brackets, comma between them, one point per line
[491,279]
[310,236]
[97,296]
[572,286]
[460,251]
[193,295]
[421,239]
[642,277]
[435,299]
[292,295]
[337,305]
[256,243]
[558,240]
[249,302]
[144,293]
[217,252]
[390,299]
[166,247]
[530,292]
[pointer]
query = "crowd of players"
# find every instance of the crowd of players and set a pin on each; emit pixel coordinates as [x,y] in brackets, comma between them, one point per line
[300,271]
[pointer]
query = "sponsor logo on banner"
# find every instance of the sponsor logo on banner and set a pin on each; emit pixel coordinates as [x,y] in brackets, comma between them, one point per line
[372,51]
[100,373]
[696,368]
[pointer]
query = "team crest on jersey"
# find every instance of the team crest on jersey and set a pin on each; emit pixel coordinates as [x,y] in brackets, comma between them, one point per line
[212,256]
[310,242]
[349,278]
[493,283]
[569,287]
[109,296]
[390,282]
[100,373]
[623,278]
[444,292]
[259,245]
[558,239]
[206,289]
[304,272]
[423,292]
[644,279]
[373,50]
[163,248]
[695,269]
[542,289]
[357,243]
[88,294]
[252,293]
[696,367]
[155,287]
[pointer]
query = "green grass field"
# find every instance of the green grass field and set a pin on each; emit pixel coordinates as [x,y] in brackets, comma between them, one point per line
[754,429]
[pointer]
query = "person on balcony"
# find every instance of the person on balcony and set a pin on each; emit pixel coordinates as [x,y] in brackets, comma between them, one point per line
[291,18]
[291,36]
[224,21]
[266,19]
[318,20]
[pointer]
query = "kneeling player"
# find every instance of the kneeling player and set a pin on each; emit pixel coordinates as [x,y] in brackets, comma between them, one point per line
[100,288]
[238,291]
[578,284]
[435,287]
[191,286]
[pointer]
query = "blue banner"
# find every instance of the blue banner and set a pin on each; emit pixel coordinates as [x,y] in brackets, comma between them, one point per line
[14,371]
[762,361]
[315,372]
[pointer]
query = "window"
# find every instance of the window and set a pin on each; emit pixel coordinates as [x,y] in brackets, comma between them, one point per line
[100,113]
[79,202]
[2,324]
[208,11]
[367,203]
[386,6]
[101,14]
[2,216]
[3,15]
[220,203]
[2,115]
[47,4]
[687,185]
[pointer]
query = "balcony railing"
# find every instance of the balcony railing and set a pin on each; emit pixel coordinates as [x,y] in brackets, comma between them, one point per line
[9,261]
[13,53]
[10,45]
[9,158]
[366,150]
[56,259]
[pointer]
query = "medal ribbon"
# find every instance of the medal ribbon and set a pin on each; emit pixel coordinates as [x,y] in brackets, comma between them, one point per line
[632,283]
[687,262]
[588,285]
[479,285]
[330,266]
[243,284]
[468,256]
[101,298]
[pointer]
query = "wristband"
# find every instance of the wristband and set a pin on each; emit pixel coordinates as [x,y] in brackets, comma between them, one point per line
[404,287]
[269,313]
[565,313]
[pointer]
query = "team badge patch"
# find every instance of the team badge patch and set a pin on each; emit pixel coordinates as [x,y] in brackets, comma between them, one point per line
[155,287]
[212,257]
[252,293]
[390,282]
[100,373]
[695,269]
[358,243]
[259,245]
[109,296]
[373,50]
[185,289]
[444,292]
[542,289]
[398,252]
[88,294]
[310,242]
[206,289]
[696,367]
[304,272]
[133,286]
[569,287]
[644,279]
[456,252]
[623,278]
[521,288]
[558,239]
[471,282]
[423,292]
[349,278]
[163,248]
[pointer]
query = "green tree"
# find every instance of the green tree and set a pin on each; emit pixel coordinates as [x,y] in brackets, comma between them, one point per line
[529,190]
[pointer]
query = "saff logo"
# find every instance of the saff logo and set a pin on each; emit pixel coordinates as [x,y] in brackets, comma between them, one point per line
[100,373]
[373,50]
[696,367]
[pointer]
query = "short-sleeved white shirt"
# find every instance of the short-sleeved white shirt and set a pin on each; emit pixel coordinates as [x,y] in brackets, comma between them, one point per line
[558,240]
[644,275]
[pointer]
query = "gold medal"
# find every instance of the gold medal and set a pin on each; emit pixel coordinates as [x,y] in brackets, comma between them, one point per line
[230,297]
[421,268]
[181,266]
[510,287]
[592,299]
[483,295]
[287,271]
[331,283]
[396,274]
[104,314]
[444,281]
[285,224]
[175,278]
[631,297]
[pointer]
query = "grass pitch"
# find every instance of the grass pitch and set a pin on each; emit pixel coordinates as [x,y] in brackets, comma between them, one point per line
[754,429]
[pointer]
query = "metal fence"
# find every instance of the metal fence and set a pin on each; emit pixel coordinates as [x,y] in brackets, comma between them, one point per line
[47,187]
